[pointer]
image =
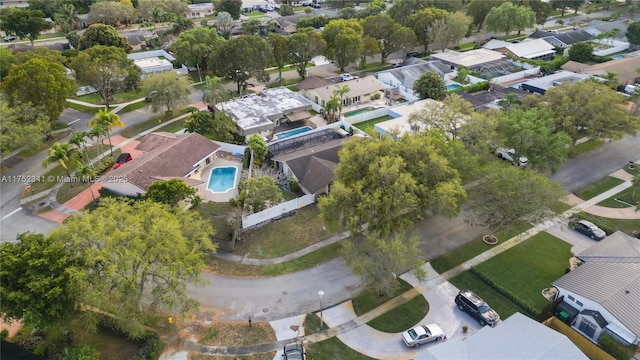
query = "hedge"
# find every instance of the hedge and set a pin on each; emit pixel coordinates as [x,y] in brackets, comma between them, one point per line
[531,310]
[473,87]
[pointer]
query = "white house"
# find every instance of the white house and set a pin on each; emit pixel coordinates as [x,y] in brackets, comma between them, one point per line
[403,77]
[156,61]
[602,296]
[197,11]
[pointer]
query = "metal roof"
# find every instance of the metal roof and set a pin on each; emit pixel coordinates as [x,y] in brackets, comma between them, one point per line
[610,276]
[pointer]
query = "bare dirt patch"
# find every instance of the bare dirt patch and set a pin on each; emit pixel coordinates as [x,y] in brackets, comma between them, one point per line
[234,333]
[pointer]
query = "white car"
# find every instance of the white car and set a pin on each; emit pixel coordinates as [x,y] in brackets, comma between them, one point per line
[423,334]
[508,154]
[346,77]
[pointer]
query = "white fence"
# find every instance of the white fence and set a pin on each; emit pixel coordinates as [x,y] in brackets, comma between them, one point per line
[515,76]
[231,148]
[613,46]
[372,114]
[277,211]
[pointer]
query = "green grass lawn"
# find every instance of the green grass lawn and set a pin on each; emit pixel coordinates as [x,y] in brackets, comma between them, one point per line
[626,198]
[216,215]
[474,248]
[367,126]
[132,131]
[117,98]
[559,207]
[528,268]
[284,236]
[596,188]
[402,317]
[173,127]
[310,260]
[29,152]
[133,107]
[584,147]
[369,299]
[84,109]
[634,171]
[497,301]
[332,349]
[611,225]
[255,14]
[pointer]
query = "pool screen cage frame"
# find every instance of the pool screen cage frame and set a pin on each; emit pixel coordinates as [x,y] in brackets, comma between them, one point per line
[301,141]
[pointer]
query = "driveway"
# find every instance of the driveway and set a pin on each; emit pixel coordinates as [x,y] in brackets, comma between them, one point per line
[563,231]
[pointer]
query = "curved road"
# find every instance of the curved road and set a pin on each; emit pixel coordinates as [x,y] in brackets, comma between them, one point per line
[276,297]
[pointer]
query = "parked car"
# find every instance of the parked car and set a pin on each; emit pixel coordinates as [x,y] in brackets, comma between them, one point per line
[10,38]
[122,159]
[587,228]
[508,154]
[293,351]
[413,54]
[346,77]
[422,334]
[476,307]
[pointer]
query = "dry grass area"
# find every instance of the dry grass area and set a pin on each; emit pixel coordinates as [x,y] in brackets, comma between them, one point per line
[265,356]
[235,333]
[284,236]
[220,266]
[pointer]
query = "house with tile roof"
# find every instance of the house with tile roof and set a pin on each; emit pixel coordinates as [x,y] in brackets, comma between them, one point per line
[166,156]
[360,91]
[624,68]
[602,296]
[403,77]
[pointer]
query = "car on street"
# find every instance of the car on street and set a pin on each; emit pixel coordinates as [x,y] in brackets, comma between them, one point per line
[413,54]
[476,307]
[293,351]
[122,159]
[508,155]
[346,77]
[10,38]
[423,334]
[587,228]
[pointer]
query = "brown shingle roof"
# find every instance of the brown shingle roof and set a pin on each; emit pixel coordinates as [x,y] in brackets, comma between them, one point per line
[156,139]
[357,87]
[312,82]
[169,159]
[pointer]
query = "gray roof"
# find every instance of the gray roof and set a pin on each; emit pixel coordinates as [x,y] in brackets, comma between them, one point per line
[517,337]
[561,39]
[257,111]
[540,85]
[488,99]
[596,27]
[409,73]
[610,276]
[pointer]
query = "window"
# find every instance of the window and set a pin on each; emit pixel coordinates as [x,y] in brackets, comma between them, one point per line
[571,298]
[579,303]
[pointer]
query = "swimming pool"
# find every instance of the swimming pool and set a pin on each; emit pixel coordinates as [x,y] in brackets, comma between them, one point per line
[357,112]
[289,133]
[452,87]
[222,179]
[617,57]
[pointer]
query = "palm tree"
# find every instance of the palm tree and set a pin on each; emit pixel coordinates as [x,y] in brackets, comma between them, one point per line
[79,140]
[213,91]
[97,132]
[62,153]
[156,15]
[107,120]
[341,91]
[611,78]
[331,107]
[86,172]
[67,18]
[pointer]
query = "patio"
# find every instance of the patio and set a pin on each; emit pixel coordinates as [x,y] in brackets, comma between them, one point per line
[221,161]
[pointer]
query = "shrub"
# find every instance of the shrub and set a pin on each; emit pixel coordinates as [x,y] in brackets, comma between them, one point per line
[104,165]
[376,96]
[293,184]
[531,310]
[246,158]
[616,349]
[4,333]
[151,346]
[474,87]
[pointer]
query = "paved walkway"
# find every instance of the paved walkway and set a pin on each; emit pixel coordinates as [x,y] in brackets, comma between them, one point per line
[352,329]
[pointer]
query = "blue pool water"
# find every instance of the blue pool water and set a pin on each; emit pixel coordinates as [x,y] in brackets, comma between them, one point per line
[452,87]
[289,133]
[617,57]
[356,112]
[222,179]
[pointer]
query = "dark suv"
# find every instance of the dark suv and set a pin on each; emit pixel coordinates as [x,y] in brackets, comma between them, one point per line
[476,307]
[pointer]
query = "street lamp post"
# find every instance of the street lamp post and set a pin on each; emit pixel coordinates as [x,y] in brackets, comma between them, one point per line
[321,293]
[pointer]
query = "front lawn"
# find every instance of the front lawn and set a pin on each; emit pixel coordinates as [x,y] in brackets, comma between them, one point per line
[367,126]
[626,198]
[117,98]
[611,225]
[476,247]
[596,188]
[29,152]
[173,127]
[402,317]
[584,147]
[528,268]
[370,300]
[332,349]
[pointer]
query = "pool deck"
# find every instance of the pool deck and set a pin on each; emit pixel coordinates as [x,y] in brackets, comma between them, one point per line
[204,177]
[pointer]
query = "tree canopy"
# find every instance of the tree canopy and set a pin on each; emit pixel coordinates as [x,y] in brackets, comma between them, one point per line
[422,24]
[450,30]
[111,13]
[509,17]
[243,57]
[232,7]
[24,23]
[344,41]
[172,192]
[167,89]
[391,36]
[478,10]
[40,82]
[36,284]
[259,193]
[430,85]
[105,35]
[581,52]
[196,47]
[23,125]
[376,182]
[218,126]
[123,247]
[633,33]
[303,46]
[589,109]
[107,69]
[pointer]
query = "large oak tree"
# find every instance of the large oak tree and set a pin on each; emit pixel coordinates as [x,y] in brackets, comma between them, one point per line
[391,36]
[243,57]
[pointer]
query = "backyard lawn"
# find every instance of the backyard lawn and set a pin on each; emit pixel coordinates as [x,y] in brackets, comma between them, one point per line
[367,126]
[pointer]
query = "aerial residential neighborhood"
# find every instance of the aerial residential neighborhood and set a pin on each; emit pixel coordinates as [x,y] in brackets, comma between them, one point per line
[322,179]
